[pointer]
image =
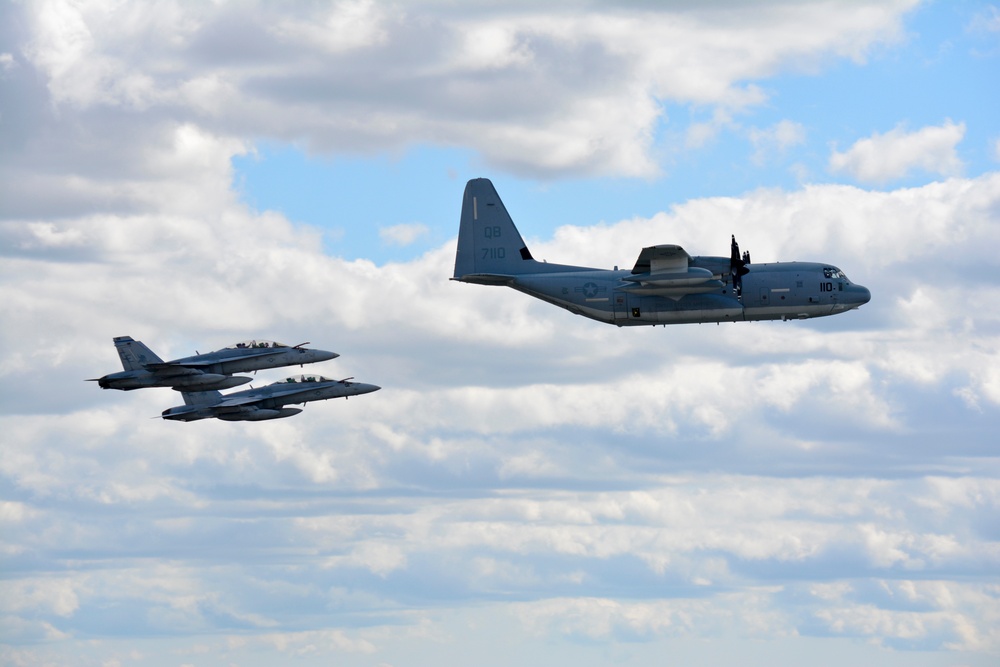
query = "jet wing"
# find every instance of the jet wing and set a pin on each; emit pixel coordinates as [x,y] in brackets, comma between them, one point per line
[665,270]
[172,370]
[236,401]
[286,391]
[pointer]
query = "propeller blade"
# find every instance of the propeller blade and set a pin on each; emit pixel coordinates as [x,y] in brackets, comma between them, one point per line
[738,266]
[738,262]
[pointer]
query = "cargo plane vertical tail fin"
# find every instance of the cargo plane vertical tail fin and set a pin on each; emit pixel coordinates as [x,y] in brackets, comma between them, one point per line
[134,355]
[488,241]
[490,249]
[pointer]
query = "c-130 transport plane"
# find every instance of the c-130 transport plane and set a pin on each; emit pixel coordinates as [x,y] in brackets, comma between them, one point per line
[203,372]
[666,285]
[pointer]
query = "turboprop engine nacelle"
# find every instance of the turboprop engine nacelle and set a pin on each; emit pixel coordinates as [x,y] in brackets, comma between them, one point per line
[695,280]
[692,276]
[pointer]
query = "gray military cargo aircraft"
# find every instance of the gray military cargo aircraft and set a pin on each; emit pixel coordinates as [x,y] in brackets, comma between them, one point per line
[265,402]
[666,285]
[203,372]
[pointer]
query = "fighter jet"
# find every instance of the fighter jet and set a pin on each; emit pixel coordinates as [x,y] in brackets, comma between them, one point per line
[265,402]
[203,372]
[666,285]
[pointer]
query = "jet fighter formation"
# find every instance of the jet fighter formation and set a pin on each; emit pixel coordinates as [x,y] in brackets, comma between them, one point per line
[198,379]
[666,285]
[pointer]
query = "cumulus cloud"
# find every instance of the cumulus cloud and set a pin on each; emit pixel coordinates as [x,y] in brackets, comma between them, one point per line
[986,20]
[538,91]
[897,153]
[500,389]
[404,234]
[776,139]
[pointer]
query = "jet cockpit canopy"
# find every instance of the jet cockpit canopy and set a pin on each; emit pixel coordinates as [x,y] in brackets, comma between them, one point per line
[253,344]
[304,378]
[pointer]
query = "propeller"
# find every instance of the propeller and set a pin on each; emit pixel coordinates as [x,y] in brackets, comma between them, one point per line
[738,266]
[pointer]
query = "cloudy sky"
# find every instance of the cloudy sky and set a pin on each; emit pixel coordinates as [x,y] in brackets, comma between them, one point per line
[529,487]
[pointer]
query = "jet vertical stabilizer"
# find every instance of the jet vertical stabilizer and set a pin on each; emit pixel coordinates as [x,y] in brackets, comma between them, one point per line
[134,355]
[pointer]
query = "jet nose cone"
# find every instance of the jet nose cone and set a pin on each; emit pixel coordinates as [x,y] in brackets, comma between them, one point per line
[323,355]
[366,388]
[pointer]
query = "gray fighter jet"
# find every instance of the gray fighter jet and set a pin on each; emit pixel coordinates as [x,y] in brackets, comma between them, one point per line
[203,372]
[265,402]
[666,285]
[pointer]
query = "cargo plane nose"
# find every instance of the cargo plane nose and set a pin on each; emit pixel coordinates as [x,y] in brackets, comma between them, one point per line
[857,295]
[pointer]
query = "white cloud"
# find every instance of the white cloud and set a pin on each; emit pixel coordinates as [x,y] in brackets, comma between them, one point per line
[897,153]
[986,20]
[54,595]
[353,77]
[349,25]
[403,234]
[776,139]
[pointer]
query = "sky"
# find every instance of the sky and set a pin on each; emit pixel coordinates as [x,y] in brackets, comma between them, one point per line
[529,487]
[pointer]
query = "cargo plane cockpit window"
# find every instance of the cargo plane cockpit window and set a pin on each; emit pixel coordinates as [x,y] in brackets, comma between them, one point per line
[831,273]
